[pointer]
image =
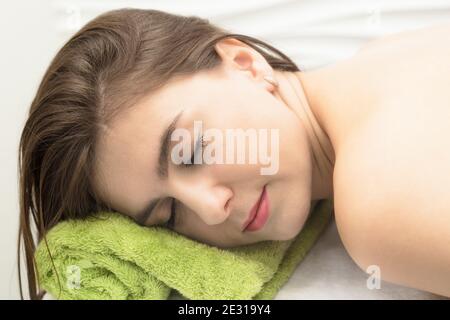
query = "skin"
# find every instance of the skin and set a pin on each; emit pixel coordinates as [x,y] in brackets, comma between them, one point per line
[213,201]
[370,132]
[392,168]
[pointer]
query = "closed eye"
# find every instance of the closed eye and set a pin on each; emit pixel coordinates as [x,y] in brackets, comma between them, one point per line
[171,222]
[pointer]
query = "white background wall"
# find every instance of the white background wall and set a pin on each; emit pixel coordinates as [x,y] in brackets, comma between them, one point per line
[311,32]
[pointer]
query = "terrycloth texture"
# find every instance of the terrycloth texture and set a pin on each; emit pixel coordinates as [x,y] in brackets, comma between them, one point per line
[109,256]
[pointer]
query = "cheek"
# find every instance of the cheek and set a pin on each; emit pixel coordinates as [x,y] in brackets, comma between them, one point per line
[294,151]
[195,229]
[189,223]
[292,215]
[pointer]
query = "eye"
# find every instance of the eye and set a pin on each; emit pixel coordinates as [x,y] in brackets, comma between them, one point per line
[171,222]
[200,144]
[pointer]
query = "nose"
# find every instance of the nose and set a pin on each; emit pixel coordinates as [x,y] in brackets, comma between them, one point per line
[210,201]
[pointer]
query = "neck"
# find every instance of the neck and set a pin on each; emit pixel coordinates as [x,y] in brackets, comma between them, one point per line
[297,93]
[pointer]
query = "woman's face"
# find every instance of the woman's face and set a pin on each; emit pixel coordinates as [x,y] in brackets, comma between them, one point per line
[213,200]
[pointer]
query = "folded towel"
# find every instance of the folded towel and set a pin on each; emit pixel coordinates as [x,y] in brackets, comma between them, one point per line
[109,256]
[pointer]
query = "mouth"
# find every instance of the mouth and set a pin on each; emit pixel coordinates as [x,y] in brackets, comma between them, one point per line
[258,214]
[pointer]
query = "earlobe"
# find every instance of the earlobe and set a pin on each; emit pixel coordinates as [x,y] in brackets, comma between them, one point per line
[272,82]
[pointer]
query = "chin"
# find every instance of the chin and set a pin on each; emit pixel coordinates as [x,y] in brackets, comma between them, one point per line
[287,232]
[295,225]
[289,236]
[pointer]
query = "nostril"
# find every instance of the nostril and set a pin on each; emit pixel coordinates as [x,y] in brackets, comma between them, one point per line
[227,205]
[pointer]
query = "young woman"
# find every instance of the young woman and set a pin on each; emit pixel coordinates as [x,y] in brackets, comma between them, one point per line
[371,133]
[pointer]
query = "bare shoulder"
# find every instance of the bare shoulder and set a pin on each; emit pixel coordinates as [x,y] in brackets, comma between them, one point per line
[357,198]
[392,209]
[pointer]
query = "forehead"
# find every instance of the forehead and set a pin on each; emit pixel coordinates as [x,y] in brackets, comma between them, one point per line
[128,151]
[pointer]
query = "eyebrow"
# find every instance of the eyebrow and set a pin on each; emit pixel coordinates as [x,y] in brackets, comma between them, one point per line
[162,167]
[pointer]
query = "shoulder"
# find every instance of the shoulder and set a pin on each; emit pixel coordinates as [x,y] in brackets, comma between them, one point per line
[389,221]
[390,209]
[361,197]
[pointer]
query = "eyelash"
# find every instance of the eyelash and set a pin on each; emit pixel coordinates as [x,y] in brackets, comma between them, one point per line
[203,143]
[171,222]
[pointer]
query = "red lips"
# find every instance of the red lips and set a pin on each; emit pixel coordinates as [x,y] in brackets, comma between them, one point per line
[258,214]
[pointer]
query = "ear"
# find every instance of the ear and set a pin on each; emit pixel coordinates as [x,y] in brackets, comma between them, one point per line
[238,56]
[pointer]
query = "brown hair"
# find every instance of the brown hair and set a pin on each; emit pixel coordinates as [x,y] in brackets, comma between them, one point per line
[109,64]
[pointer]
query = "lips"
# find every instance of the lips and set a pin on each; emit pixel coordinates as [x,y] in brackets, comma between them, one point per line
[258,214]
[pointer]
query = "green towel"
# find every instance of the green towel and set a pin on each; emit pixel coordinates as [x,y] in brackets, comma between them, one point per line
[109,256]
